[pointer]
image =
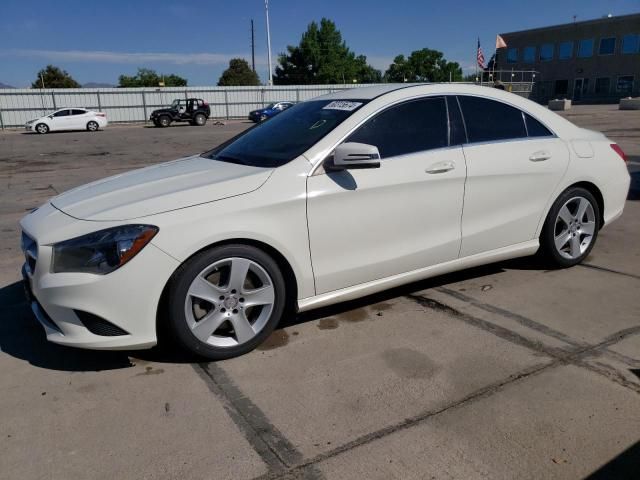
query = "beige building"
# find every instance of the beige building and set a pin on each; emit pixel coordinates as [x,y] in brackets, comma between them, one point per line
[591,61]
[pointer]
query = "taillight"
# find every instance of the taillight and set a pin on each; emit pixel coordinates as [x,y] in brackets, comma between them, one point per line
[100,114]
[616,148]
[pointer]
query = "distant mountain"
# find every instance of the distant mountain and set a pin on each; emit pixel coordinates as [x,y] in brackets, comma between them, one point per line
[4,85]
[97,85]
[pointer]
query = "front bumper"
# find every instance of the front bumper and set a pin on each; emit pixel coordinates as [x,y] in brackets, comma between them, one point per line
[126,299]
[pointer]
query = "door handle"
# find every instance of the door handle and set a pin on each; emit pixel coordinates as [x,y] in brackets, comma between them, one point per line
[540,156]
[441,167]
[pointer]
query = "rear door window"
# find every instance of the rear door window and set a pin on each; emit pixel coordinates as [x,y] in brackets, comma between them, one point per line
[535,128]
[488,120]
[78,112]
[410,127]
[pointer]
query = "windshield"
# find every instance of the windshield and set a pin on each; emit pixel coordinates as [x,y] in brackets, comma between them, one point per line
[284,137]
[176,103]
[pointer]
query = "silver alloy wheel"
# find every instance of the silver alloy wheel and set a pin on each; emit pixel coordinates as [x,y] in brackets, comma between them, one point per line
[574,228]
[200,119]
[229,302]
[42,128]
[92,126]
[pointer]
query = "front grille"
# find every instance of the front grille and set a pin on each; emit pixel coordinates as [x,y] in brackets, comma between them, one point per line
[99,326]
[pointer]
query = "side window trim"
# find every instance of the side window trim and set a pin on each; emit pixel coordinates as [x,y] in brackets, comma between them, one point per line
[446,108]
[524,120]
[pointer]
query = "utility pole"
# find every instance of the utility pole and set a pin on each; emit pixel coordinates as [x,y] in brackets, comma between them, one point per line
[270,77]
[253,49]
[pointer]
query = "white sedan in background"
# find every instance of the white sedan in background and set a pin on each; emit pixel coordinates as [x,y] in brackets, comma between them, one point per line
[68,119]
[335,198]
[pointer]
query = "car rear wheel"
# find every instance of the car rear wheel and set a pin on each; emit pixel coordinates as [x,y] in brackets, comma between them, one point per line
[225,301]
[92,126]
[200,120]
[571,228]
[164,121]
[42,128]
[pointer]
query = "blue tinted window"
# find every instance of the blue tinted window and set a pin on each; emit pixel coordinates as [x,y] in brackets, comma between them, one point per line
[546,52]
[585,48]
[631,43]
[287,135]
[512,55]
[529,54]
[488,120]
[625,84]
[410,127]
[607,46]
[565,51]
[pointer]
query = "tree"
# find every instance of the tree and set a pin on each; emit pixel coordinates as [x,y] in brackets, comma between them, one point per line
[54,77]
[322,57]
[424,65]
[239,73]
[149,78]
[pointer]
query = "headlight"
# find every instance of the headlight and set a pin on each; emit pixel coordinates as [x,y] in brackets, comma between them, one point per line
[101,252]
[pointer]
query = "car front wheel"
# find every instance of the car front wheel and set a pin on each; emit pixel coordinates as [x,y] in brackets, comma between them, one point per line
[225,301]
[571,228]
[42,128]
[164,121]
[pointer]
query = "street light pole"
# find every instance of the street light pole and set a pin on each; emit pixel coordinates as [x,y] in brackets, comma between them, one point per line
[266,7]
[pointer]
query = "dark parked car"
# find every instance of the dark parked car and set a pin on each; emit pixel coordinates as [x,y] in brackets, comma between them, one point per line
[193,110]
[268,112]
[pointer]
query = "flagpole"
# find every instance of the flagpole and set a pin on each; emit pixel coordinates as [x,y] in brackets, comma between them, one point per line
[478,48]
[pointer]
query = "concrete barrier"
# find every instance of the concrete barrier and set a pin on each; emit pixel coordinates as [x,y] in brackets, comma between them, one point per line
[629,103]
[563,104]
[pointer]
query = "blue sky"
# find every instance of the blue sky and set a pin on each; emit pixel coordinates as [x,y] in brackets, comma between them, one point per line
[98,40]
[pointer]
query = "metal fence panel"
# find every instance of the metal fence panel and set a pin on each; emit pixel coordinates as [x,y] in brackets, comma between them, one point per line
[17,106]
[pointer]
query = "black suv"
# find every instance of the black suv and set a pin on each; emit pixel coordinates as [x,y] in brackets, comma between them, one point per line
[192,110]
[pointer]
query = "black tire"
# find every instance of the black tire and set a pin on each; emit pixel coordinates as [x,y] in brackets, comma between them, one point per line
[200,120]
[164,121]
[155,123]
[93,126]
[181,281]
[42,128]
[553,228]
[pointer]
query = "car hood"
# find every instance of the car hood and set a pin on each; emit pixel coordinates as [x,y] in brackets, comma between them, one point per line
[160,188]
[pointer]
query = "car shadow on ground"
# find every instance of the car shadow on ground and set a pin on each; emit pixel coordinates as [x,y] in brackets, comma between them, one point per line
[22,337]
[626,465]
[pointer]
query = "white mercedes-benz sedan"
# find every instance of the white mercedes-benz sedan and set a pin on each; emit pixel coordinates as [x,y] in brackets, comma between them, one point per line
[68,119]
[335,198]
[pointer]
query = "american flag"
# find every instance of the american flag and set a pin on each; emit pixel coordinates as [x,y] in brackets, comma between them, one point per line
[480,56]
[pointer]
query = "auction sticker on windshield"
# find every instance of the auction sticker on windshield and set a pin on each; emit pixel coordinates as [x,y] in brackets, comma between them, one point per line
[342,105]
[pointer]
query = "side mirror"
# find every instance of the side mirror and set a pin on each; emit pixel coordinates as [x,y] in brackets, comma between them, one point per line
[355,155]
[50,116]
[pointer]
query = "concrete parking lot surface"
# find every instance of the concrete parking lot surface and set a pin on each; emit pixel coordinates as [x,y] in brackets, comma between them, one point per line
[504,371]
